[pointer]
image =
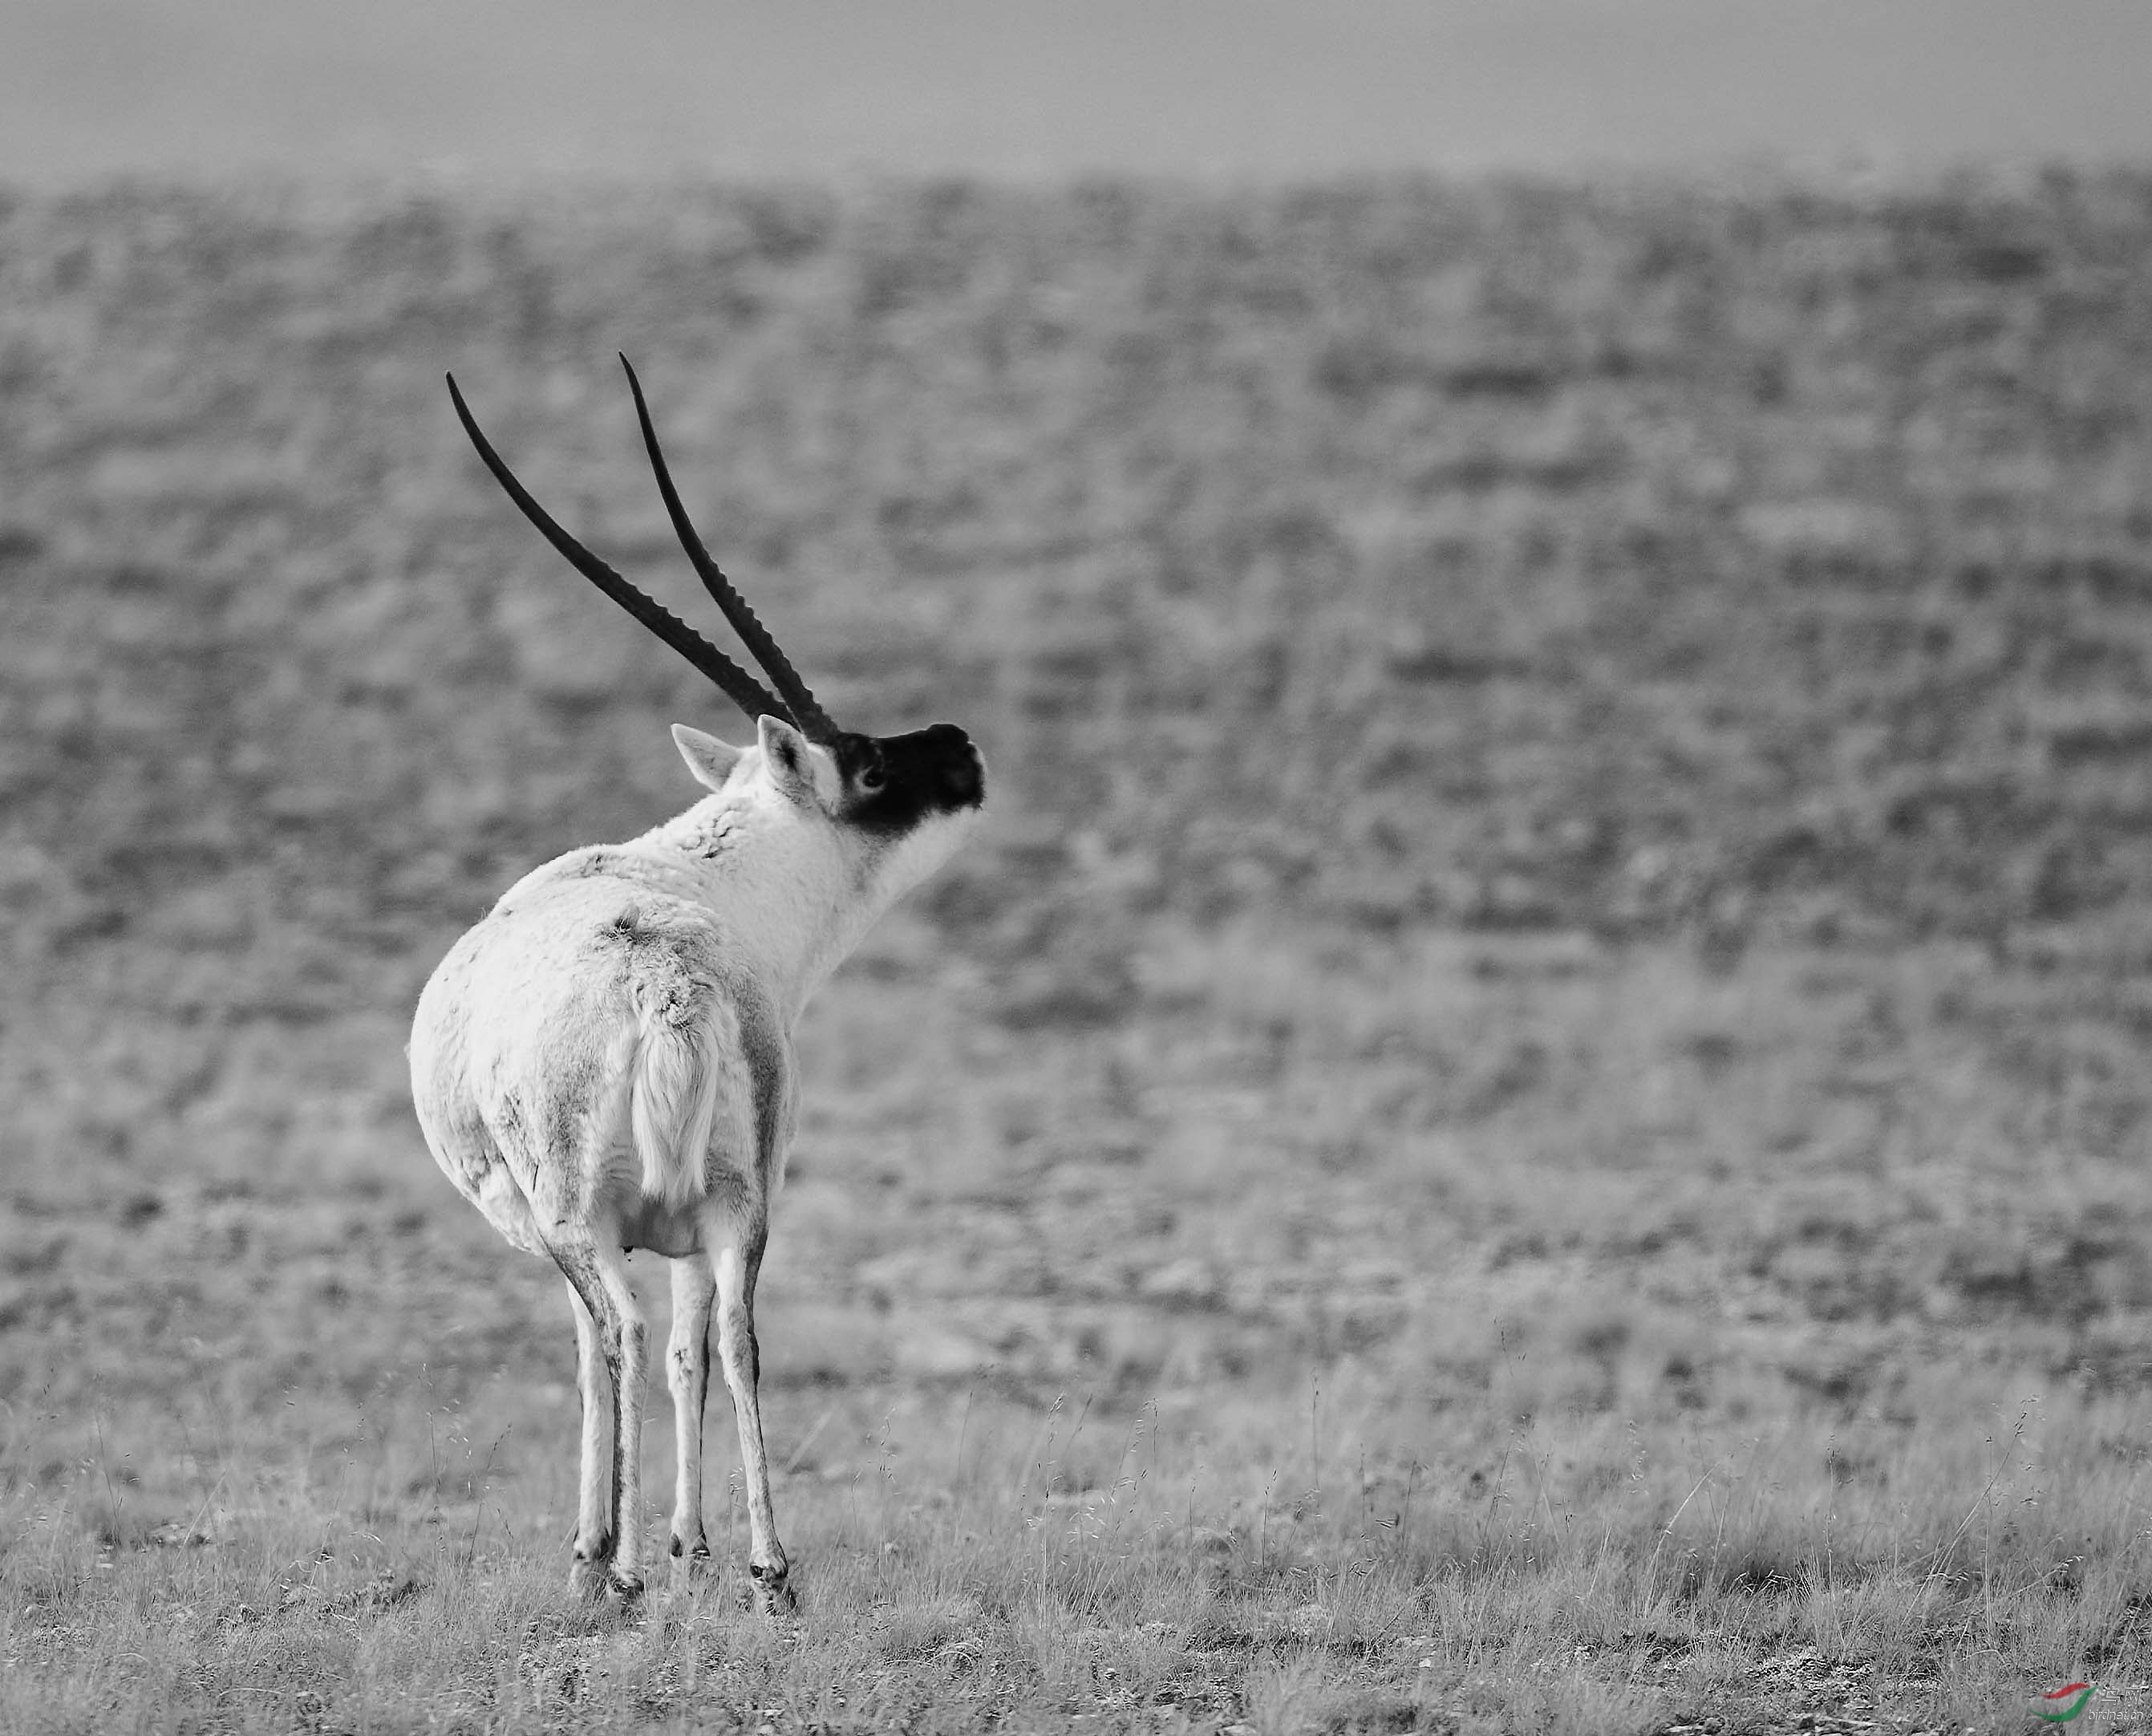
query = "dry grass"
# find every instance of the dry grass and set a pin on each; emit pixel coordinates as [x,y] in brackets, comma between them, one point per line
[1530,1119]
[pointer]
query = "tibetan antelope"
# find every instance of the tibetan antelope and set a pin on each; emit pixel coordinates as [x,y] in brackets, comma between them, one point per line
[605,1062]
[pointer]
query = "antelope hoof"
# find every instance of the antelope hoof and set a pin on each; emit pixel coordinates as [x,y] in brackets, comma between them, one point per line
[774,1595]
[588,1575]
[694,1559]
[623,1591]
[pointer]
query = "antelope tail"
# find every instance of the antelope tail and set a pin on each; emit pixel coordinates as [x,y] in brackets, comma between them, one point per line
[672,1097]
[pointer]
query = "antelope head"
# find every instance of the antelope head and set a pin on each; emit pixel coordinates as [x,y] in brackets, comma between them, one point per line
[892,808]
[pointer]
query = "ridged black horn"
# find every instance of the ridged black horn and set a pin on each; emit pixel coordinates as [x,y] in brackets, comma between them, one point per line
[737,685]
[815,722]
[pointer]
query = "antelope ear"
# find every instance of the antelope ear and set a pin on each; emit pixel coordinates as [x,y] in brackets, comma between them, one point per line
[784,752]
[711,760]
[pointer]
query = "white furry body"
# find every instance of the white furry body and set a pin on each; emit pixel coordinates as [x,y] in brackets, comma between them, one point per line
[605,1062]
[596,1013]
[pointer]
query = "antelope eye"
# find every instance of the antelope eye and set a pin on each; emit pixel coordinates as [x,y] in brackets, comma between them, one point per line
[872,778]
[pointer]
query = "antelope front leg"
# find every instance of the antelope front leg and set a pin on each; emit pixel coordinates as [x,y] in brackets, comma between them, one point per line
[593,1556]
[736,1259]
[687,1373]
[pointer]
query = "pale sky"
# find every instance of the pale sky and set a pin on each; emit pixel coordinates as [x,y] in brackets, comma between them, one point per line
[1234,89]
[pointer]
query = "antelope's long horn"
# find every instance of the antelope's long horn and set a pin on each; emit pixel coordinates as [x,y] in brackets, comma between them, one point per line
[815,722]
[737,685]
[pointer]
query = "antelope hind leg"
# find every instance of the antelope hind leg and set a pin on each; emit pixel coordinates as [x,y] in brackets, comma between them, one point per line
[598,1272]
[593,1560]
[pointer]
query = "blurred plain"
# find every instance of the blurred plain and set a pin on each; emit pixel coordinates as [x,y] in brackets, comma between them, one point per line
[1530,1114]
